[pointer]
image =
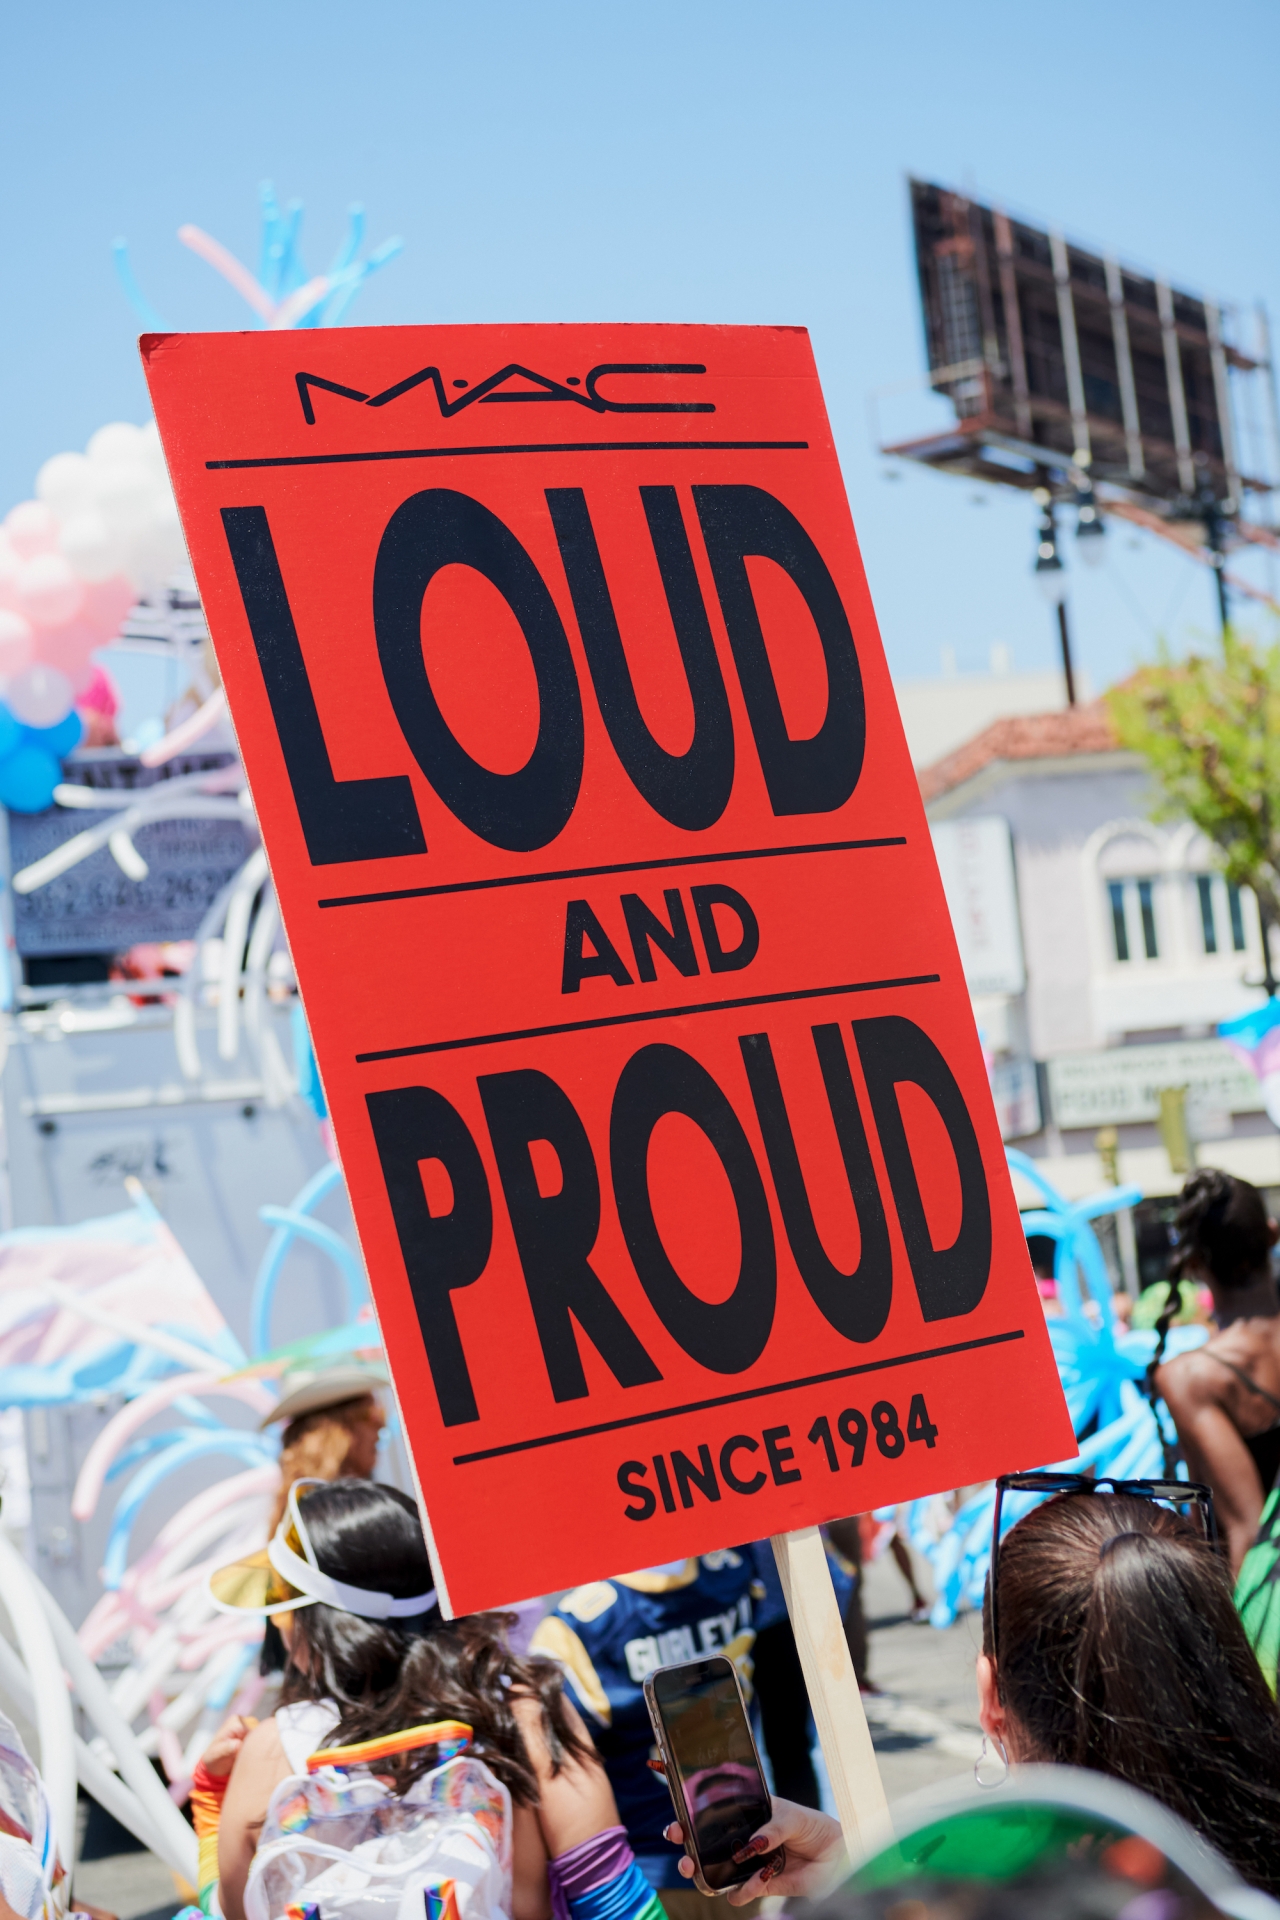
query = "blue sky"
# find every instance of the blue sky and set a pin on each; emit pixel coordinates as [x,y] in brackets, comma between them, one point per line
[712,160]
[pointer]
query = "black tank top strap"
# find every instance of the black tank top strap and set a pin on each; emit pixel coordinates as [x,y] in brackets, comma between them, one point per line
[1264,1447]
[1245,1379]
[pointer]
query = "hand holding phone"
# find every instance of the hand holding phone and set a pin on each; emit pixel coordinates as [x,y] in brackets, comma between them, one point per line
[712,1767]
[800,1852]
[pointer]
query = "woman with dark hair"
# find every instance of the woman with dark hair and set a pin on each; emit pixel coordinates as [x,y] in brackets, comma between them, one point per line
[1117,1648]
[1225,1396]
[348,1579]
[1114,1646]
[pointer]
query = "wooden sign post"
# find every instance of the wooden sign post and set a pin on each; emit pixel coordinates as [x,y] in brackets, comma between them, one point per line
[832,1687]
[617,922]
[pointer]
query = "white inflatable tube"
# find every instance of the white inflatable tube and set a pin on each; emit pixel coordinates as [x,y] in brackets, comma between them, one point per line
[95,1776]
[122,1426]
[55,1728]
[143,814]
[188,732]
[234,934]
[121,1802]
[184,1351]
[175,1841]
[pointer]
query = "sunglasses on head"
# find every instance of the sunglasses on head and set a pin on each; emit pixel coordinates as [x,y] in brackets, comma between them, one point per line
[1172,1493]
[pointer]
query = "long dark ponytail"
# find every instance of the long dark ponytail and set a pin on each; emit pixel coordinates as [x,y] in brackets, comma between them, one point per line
[1120,1650]
[384,1676]
[1221,1224]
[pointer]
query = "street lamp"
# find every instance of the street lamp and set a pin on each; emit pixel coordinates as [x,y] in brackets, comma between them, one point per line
[1051,579]
[1090,531]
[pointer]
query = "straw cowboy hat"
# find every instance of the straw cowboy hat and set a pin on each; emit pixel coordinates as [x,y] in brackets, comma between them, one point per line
[309,1388]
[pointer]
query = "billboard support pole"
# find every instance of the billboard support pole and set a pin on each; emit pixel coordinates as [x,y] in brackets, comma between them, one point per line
[1064,636]
[833,1692]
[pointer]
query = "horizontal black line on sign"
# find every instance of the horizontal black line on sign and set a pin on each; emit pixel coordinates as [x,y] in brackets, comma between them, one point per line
[622,866]
[546,446]
[732,1399]
[651,1013]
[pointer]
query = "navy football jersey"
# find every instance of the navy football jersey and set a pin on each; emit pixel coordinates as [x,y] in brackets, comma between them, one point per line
[609,1634]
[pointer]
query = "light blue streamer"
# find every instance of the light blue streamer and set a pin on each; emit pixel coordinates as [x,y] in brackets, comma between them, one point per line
[329,1242]
[1100,1363]
[132,291]
[264,1286]
[249,1447]
[225,1688]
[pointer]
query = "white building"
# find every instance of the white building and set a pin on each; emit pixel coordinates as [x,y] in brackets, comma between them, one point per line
[1101,950]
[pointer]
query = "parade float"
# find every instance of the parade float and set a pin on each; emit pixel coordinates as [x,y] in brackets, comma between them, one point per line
[162,1111]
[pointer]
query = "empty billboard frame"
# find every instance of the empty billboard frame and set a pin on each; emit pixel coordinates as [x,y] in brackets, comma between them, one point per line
[1055,357]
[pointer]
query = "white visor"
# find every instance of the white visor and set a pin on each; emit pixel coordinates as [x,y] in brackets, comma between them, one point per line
[311,1584]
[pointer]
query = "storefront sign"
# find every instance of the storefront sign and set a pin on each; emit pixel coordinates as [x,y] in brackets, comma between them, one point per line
[1123,1084]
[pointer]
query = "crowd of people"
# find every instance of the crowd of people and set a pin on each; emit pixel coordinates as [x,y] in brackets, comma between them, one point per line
[1129,1629]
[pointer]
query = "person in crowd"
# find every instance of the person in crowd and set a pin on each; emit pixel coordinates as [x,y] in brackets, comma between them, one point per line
[333,1421]
[333,1424]
[1225,1396]
[1120,1651]
[607,1636]
[369,1654]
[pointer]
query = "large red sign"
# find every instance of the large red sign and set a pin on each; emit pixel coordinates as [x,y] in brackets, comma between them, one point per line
[618,927]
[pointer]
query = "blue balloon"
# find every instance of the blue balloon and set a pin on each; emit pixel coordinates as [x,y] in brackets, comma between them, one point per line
[28,778]
[60,740]
[11,732]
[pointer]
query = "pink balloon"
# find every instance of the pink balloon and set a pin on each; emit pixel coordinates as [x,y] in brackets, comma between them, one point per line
[49,593]
[10,567]
[106,602]
[67,647]
[17,643]
[96,692]
[32,528]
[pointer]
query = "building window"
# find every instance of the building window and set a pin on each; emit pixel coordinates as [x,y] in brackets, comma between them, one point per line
[1213,894]
[1204,887]
[1133,919]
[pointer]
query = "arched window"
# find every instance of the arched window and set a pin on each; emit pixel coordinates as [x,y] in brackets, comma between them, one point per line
[1129,860]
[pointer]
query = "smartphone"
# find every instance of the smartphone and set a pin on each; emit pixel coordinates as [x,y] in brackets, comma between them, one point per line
[712,1766]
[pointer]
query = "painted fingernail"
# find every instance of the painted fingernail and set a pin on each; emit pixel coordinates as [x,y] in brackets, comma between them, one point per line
[756,1844]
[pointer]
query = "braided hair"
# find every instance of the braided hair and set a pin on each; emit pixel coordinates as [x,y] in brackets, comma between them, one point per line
[1221,1224]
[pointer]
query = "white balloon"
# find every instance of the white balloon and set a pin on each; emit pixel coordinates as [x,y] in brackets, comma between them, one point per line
[10,565]
[152,544]
[123,496]
[39,696]
[164,532]
[92,549]
[152,453]
[116,445]
[65,483]
[31,528]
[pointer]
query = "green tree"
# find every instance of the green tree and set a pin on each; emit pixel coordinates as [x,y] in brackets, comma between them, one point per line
[1209,729]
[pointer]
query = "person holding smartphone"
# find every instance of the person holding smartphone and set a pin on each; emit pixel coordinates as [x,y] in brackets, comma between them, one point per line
[608,1637]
